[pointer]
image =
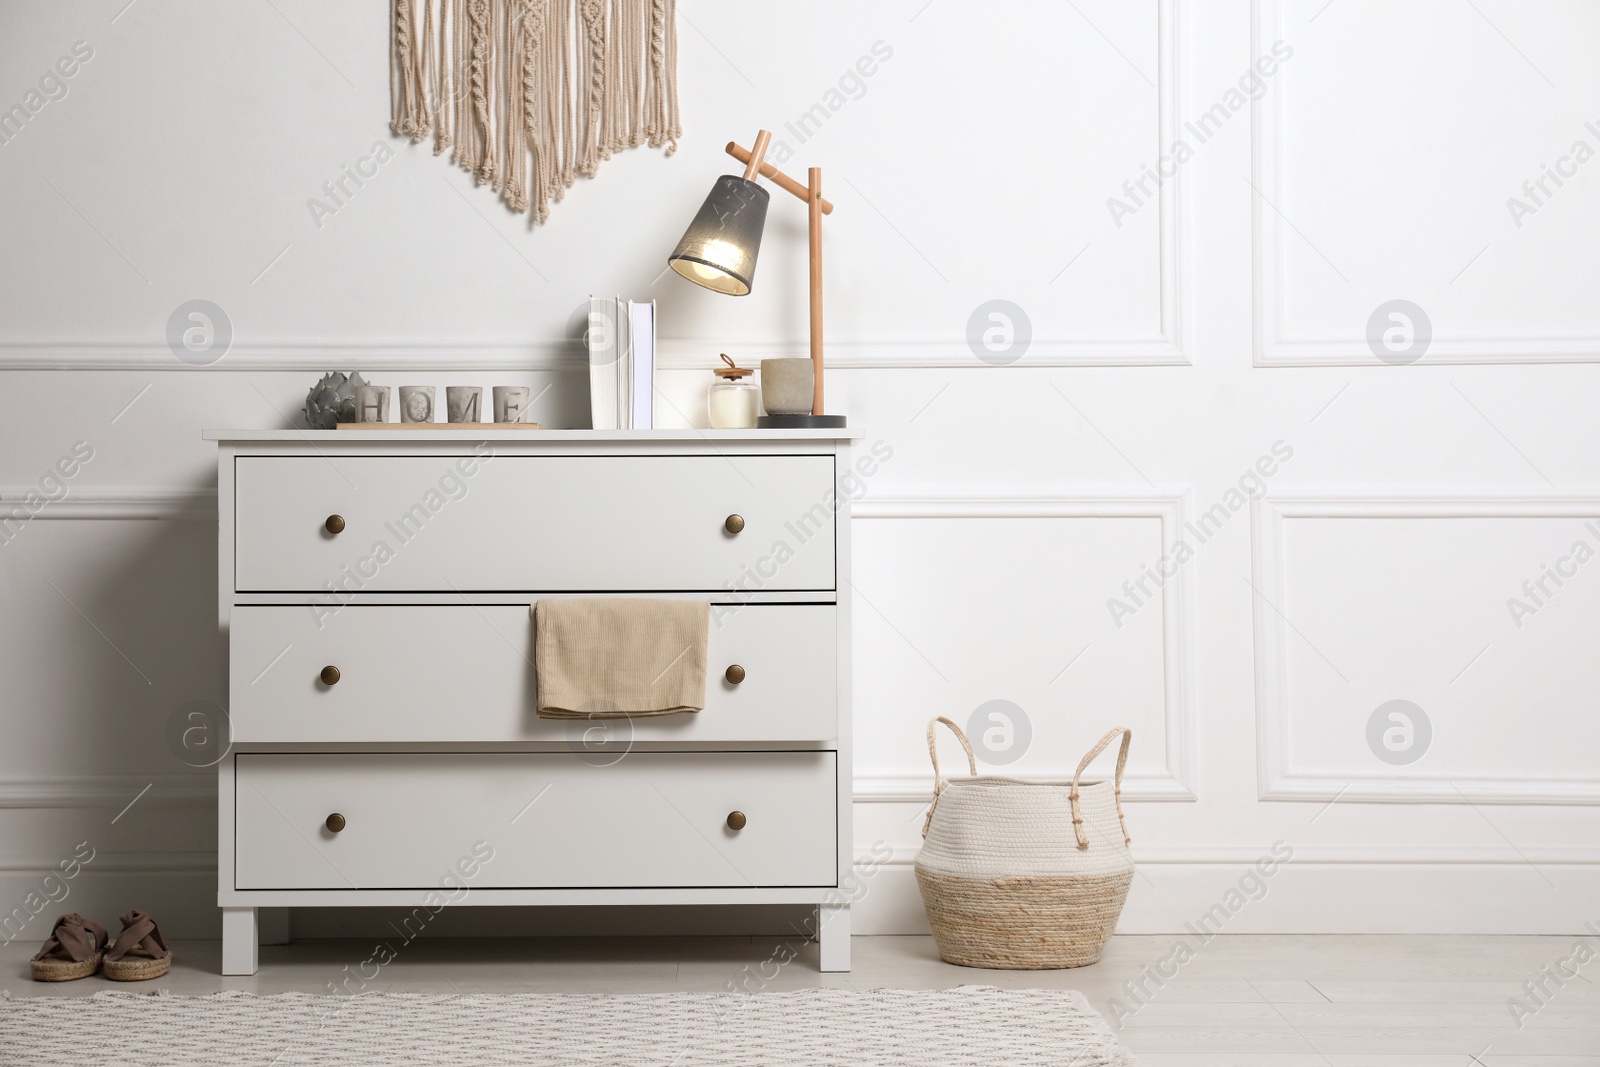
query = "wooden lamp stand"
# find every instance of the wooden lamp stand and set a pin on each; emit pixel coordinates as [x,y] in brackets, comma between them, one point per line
[755,164]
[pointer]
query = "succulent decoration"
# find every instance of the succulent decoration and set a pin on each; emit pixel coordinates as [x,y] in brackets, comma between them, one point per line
[333,400]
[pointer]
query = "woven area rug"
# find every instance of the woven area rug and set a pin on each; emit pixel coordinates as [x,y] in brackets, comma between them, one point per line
[971,1025]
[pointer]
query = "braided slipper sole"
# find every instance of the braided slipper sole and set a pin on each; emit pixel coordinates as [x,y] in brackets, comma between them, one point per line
[131,968]
[52,970]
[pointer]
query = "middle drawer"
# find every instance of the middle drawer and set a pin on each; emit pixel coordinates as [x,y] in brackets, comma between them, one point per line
[462,673]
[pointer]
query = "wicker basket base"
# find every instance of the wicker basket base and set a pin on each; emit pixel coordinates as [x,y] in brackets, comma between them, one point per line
[1023,924]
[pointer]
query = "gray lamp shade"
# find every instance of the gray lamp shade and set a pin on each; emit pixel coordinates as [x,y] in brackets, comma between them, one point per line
[719,248]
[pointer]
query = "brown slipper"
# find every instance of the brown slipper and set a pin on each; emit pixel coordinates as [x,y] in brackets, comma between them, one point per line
[140,952]
[74,949]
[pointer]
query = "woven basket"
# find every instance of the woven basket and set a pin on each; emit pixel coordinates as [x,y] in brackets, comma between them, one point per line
[1024,875]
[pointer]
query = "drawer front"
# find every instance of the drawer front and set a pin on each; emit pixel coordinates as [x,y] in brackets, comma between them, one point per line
[536,523]
[653,820]
[464,673]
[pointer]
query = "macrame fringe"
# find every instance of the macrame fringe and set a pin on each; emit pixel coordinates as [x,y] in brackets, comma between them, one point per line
[529,95]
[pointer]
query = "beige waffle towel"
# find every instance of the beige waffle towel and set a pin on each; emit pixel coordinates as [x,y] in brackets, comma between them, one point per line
[610,657]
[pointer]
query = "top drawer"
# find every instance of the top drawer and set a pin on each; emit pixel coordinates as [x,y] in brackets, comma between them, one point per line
[533,523]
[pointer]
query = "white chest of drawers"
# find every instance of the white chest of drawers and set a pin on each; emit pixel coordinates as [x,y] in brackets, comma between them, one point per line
[374,588]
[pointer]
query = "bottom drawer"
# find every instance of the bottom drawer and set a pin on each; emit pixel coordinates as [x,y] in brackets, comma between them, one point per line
[535,820]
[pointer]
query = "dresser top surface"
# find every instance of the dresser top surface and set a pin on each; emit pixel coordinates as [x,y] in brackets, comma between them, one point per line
[398,434]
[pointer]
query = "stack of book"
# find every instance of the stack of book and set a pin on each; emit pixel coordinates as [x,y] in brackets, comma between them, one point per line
[622,363]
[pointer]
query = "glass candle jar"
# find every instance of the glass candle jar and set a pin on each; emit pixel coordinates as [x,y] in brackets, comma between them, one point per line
[734,402]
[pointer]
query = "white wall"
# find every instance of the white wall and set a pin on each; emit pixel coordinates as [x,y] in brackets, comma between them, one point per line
[1226,316]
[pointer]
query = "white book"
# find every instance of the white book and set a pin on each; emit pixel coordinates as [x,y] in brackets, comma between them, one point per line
[642,333]
[601,337]
[622,367]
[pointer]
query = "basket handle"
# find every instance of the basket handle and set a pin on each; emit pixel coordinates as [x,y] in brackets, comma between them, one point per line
[933,754]
[1077,811]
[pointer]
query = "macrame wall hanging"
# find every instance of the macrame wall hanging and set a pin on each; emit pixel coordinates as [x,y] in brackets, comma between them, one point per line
[529,95]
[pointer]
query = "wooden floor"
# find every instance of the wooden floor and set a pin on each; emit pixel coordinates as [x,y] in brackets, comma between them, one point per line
[1240,1001]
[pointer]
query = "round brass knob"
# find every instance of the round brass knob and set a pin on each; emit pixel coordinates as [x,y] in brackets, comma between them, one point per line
[736,820]
[733,523]
[734,674]
[330,675]
[335,823]
[334,524]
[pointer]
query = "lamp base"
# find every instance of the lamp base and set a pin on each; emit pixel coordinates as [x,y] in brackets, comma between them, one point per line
[800,422]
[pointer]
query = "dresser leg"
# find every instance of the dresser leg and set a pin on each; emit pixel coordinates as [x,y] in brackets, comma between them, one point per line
[239,941]
[833,936]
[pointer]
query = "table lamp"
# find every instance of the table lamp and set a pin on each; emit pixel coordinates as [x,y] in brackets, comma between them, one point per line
[718,251]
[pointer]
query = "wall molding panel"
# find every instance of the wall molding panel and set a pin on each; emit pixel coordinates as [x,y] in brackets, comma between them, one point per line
[1167,348]
[1278,778]
[1176,782]
[1273,346]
